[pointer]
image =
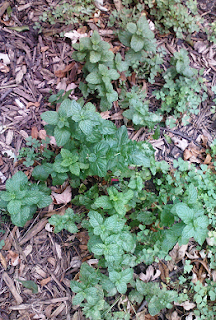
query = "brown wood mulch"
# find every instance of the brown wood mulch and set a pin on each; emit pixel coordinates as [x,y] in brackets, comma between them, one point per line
[41,64]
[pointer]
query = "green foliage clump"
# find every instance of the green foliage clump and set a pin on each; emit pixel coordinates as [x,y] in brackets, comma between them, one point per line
[138,110]
[127,223]
[181,17]
[100,68]
[22,198]
[141,56]
[182,91]
[68,12]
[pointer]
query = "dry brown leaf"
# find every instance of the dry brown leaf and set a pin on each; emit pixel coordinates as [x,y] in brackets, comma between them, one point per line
[45,48]
[207,159]
[164,271]
[43,282]
[13,257]
[187,154]
[33,104]
[150,274]
[63,197]
[3,261]
[9,137]
[34,132]
[180,143]
[172,316]
[187,305]
[42,134]
[4,68]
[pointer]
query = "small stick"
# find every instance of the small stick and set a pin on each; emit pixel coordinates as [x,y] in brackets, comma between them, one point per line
[9,282]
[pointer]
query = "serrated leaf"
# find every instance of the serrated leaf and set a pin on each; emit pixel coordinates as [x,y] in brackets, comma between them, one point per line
[192,194]
[93,78]
[137,43]
[86,126]
[62,136]
[95,56]
[184,212]
[40,173]
[103,202]
[95,218]
[75,169]
[131,27]
[121,287]
[22,216]
[79,297]
[51,117]
[99,167]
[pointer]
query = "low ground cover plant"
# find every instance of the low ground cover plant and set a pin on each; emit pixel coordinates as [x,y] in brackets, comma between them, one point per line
[128,223]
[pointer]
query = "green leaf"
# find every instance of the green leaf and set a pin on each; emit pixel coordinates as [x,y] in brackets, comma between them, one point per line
[137,43]
[75,169]
[131,27]
[95,218]
[29,285]
[95,56]
[62,136]
[99,167]
[40,173]
[14,206]
[44,201]
[93,78]
[22,216]
[103,202]
[51,117]
[192,194]
[86,126]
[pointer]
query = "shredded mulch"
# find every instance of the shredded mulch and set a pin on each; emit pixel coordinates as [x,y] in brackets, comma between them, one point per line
[40,65]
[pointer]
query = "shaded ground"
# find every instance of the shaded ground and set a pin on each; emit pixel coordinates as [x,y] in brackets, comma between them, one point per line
[35,253]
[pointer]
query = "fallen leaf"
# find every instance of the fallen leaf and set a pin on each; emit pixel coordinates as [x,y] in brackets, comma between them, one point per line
[187,305]
[42,134]
[172,316]
[150,274]
[164,271]
[207,159]
[75,36]
[180,143]
[118,4]
[63,197]
[33,104]
[29,285]
[34,132]
[43,282]
[13,257]
[43,49]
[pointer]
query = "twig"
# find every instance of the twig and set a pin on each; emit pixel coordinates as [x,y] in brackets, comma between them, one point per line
[9,282]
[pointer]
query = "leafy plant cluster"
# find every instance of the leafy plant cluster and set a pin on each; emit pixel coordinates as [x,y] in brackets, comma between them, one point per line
[22,198]
[128,223]
[176,15]
[68,12]
[102,66]
[183,90]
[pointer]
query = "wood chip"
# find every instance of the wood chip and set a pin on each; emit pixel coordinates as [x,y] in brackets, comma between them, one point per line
[9,282]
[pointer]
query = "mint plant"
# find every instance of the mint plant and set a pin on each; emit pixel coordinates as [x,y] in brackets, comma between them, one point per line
[173,14]
[22,198]
[183,90]
[35,151]
[138,110]
[100,68]
[141,56]
[127,223]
